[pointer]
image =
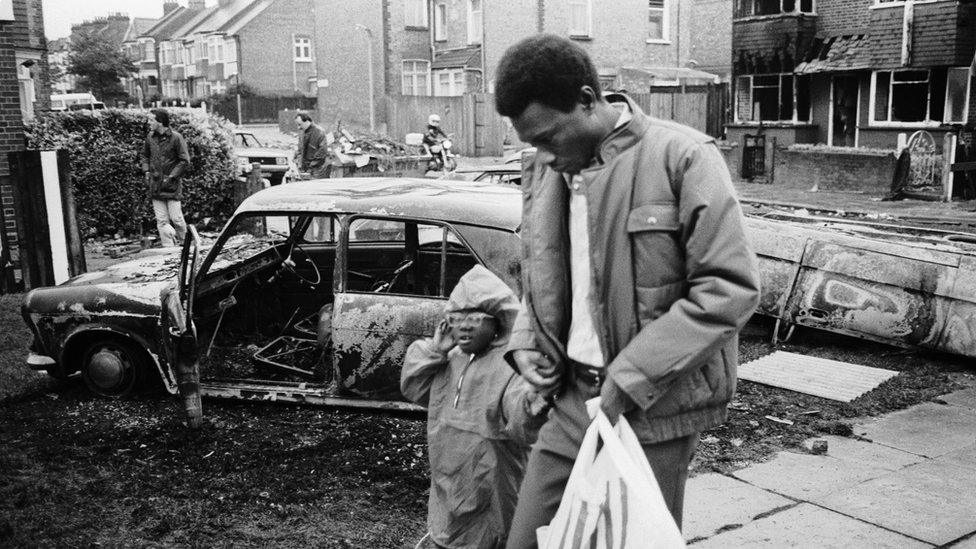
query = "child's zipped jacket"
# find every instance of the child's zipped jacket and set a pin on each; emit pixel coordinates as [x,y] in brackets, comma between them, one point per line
[481,419]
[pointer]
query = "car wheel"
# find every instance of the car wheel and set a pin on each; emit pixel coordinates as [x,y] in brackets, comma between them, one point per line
[113,367]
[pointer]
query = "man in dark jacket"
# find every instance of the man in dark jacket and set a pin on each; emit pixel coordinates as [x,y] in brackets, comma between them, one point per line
[637,273]
[313,148]
[164,160]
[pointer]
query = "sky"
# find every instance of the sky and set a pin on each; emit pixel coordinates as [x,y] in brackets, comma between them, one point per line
[59,15]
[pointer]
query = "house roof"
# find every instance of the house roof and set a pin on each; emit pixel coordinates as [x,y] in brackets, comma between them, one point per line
[635,79]
[225,18]
[837,53]
[241,20]
[469,57]
[172,21]
[138,27]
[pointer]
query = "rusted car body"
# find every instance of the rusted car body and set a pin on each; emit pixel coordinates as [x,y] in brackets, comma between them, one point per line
[313,290]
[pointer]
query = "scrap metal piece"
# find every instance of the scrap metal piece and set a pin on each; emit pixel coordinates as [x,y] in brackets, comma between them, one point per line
[820,377]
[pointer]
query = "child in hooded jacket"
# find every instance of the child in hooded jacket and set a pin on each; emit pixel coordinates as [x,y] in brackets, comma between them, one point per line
[481,415]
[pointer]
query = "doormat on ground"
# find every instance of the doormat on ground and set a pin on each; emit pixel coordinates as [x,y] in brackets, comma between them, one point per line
[820,377]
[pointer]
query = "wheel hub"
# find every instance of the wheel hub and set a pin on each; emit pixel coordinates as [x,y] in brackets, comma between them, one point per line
[107,369]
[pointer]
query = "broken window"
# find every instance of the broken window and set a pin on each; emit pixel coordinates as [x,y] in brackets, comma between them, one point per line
[749,8]
[957,93]
[656,20]
[772,98]
[918,96]
[416,78]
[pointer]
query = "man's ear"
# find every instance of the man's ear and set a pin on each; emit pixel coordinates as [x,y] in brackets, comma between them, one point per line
[588,98]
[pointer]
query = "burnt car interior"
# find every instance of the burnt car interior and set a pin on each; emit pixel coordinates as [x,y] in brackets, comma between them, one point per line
[264,294]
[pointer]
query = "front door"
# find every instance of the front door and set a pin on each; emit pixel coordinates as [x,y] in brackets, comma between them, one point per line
[843,122]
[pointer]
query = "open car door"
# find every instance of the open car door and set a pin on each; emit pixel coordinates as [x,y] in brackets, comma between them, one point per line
[180,335]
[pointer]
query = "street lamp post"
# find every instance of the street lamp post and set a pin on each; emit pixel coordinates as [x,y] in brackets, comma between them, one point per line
[369,66]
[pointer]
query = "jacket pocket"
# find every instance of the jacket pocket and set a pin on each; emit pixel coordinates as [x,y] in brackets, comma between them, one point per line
[654,231]
[654,302]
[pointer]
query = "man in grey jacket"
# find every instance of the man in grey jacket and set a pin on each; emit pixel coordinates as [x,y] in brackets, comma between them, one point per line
[636,271]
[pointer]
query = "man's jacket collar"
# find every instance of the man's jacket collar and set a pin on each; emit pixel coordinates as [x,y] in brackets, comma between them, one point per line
[625,136]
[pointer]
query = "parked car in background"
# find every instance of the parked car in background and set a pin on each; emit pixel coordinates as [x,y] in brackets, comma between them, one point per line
[499,174]
[275,162]
[75,102]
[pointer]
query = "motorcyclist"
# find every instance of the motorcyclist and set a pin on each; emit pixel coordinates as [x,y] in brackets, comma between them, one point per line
[433,137]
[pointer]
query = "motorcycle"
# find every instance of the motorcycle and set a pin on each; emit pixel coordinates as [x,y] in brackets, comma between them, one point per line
[441,157]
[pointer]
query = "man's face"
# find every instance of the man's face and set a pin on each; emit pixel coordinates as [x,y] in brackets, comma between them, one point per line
[302,124]
[564,140]
[154,125]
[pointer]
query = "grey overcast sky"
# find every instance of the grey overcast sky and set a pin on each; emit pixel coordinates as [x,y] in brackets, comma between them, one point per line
[59,15]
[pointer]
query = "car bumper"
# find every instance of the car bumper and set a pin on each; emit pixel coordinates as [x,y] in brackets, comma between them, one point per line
[39,362]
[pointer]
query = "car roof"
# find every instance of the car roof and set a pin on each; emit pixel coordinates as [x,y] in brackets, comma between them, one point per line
[492,168]
[453,201]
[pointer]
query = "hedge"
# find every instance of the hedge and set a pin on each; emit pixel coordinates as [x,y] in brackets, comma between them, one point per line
[106,174]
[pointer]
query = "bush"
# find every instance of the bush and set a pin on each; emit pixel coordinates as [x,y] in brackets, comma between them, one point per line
[106,173]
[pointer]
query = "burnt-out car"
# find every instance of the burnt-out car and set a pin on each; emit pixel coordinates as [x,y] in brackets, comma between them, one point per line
[311,293]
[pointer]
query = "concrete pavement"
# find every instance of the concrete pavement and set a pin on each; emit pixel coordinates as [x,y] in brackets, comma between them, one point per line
[908,479]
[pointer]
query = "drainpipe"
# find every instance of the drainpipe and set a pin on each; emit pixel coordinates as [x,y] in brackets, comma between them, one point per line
[484,49]
[369,65]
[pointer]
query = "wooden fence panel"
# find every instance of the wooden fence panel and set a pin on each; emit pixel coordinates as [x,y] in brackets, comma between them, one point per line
[701,107]
[408,114]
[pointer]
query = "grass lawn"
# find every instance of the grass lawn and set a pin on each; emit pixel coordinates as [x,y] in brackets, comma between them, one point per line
[15,378]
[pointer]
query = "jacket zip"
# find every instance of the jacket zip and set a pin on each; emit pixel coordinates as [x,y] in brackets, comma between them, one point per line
[457,395]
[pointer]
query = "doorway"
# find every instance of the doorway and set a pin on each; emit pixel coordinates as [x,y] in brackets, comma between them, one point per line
[843,120]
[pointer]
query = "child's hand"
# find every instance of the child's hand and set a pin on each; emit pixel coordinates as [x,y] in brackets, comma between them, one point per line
[443,336]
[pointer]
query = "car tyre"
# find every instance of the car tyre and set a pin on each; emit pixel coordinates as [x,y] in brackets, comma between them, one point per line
[113,367]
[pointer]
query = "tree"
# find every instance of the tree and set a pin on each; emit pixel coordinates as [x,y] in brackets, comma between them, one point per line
[99,65]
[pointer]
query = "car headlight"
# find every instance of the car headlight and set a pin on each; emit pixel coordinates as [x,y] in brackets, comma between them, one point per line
[243,164]
[281,161]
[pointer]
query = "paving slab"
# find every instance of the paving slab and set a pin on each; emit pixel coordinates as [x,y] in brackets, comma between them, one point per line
[714,501]
[805,476]
[807,525]
[965,457]
[965,398]
[875,455]
[928,429]
[967,543]
[932,501]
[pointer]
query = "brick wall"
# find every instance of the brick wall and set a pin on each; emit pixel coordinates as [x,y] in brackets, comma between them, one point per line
[341,57]
[840,17]
[706,36]
[402,43]
[267,49]
[835,171]
[24,36]
[519,19]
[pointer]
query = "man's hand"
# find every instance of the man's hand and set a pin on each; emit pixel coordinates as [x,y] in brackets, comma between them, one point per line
[614,401]
[538,369]
[443,337]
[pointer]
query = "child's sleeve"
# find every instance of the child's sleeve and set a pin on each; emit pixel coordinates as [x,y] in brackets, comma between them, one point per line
[422,363]
[524,410]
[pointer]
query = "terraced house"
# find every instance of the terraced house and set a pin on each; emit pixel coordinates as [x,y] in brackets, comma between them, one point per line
[196,51]
[853,73]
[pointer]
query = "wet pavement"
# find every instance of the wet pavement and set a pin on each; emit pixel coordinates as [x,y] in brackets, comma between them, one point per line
[907,479]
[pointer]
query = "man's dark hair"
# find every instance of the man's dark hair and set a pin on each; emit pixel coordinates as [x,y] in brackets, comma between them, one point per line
[161,116]
[546,68]
[304,116]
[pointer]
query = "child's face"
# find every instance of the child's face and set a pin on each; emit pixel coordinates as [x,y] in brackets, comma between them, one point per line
[473,329]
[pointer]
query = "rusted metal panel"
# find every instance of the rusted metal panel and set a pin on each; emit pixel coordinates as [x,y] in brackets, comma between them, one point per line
[867,282]
[300,393]
[370,336]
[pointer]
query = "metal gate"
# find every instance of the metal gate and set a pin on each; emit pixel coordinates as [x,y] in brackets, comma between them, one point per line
[754,156]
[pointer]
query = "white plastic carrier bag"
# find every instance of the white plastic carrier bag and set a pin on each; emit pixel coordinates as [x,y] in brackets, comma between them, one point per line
[612,500]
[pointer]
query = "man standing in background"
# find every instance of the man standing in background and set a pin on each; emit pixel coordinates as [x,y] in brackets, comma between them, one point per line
[164,160]
[313,148]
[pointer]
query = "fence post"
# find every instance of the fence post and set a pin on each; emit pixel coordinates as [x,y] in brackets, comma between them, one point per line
[948,159]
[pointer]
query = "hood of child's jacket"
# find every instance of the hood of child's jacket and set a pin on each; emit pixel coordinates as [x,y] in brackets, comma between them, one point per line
[479,288]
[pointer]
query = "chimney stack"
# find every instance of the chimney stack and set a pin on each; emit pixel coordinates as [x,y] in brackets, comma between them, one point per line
[169,6]
[197,4]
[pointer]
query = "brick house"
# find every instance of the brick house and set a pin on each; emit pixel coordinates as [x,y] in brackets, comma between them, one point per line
[57,59]
[23,59]
[143,80]
[449,47]
[141,47]
[853,73]
[265,44]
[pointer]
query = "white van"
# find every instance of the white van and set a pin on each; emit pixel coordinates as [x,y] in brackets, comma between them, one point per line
[74,101]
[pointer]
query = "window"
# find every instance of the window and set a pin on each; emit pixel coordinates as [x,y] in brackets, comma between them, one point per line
[580,18]
[440,21]
[749,8]
[912,96]
[657,20]
[772,98]
[220,50]
[449,82]
[957,95]
[202,52]
[25,87]
[303,48]
[415,14]
[475,25]
[416,78]
[189,53]
[164,53]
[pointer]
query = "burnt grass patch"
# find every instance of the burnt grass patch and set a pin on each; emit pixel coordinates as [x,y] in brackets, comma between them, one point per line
[76,470]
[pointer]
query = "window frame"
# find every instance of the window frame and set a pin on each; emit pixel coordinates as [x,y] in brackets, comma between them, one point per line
[966,97]
[440,21]
[665,10]
[740,11]
[414,73]
[888,122]
[418,7]
[795,118]
[586,29]
[452,83]
[302,44]
[475,29]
